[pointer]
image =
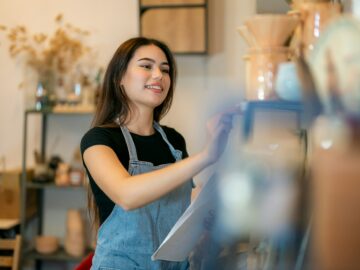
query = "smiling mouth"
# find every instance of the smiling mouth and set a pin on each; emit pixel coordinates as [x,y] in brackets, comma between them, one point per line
[153,87]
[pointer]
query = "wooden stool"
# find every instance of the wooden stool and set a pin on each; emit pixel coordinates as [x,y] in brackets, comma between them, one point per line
[12,245]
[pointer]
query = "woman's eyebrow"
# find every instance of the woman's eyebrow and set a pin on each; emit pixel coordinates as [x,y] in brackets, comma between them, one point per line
[152,60]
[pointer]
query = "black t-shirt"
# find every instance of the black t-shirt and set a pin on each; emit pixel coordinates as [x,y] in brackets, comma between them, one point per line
[150,148]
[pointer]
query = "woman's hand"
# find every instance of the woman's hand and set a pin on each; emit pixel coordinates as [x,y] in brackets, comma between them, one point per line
[219,128]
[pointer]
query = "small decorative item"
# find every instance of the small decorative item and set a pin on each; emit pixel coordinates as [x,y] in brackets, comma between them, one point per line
[42,99]
[75,233]
[62,177]
[46,244]
[48,58]
[77,173]
[42,173]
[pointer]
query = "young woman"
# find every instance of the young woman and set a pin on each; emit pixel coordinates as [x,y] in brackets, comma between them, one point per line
[139,171]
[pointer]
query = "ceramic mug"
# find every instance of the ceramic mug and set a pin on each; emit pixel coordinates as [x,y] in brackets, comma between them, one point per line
[287,84]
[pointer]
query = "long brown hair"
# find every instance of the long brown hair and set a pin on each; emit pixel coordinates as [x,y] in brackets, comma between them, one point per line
[113,102]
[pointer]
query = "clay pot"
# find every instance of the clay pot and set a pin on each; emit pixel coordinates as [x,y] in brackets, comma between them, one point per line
[75,233]
[46,244]
[271,30]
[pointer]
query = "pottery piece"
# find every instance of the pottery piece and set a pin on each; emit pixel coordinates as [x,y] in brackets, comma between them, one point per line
[75,233]
[271,30]
[261,70]
[62,174]
[247,36]
[46,244]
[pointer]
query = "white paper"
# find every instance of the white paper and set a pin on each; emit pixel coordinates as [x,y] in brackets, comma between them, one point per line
[185,234]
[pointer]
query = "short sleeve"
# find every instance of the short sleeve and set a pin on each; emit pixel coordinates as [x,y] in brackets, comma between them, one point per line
[96,136]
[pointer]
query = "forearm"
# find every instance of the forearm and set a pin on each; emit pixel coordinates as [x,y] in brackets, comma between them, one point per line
[134,191]
[139,190]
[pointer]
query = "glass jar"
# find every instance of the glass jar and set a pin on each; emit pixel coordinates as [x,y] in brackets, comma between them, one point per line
[314,17]
[261,69]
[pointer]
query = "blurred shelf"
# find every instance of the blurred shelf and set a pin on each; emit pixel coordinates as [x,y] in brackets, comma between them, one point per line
[61,112]
[59,255]
[272,105]
[144,8]
[51,185]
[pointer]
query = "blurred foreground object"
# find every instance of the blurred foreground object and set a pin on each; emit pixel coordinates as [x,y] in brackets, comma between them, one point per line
[337,57]
[336,196]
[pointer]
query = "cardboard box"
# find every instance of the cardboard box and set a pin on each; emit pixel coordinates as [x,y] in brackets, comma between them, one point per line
[10,195]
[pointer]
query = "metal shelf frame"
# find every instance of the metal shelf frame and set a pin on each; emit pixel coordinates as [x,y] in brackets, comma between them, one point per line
[25,184]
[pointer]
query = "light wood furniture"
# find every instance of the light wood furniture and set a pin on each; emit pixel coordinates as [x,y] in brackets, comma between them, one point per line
[12,245]
[181,24]
[8,223]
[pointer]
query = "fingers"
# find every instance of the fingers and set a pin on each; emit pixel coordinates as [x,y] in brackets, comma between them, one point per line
[238,109]
[226,117]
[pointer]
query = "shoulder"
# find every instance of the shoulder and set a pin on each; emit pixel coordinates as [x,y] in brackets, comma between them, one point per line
[99,136]
[175,138]
[172,133]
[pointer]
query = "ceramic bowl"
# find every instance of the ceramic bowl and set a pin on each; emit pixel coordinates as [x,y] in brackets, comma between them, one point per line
[271,30]
[46,244]
[287,84]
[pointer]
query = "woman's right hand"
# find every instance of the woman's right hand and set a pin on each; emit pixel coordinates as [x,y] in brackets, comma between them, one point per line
[219,128]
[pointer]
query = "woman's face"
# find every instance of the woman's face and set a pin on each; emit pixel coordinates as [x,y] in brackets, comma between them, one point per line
[147,80]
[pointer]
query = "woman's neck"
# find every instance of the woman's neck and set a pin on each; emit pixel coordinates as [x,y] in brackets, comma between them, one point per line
[141,124]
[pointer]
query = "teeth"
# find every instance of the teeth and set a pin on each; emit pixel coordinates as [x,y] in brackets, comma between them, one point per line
[153,87]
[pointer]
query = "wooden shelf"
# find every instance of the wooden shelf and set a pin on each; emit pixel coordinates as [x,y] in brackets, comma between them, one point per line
[273,105]
[8,223]
[59,255]
[147,7]
[69,112]
[50,185]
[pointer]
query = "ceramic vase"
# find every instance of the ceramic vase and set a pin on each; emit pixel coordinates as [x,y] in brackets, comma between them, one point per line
[75,233]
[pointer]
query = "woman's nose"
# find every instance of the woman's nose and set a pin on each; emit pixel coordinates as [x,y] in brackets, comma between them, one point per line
[157,73]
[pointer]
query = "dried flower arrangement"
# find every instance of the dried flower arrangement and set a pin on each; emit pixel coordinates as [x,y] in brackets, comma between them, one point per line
[51,57]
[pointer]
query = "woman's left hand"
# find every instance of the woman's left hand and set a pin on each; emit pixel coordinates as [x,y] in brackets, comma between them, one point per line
[219,128]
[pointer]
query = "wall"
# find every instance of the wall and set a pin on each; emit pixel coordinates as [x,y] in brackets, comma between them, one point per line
[206,83]
[271,6]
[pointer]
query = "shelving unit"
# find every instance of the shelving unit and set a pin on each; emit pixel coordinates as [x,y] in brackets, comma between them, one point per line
[182,24]
[28,253]
[59,255]
[253,106]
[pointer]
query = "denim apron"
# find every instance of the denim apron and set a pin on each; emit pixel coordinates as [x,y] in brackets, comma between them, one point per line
[127,239]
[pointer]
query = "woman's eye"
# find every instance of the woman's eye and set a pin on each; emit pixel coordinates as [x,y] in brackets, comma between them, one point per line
[146,66]
[166,71]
